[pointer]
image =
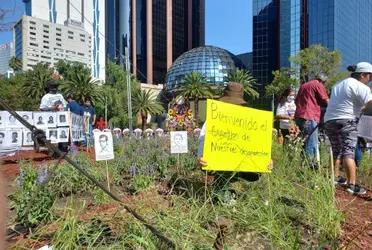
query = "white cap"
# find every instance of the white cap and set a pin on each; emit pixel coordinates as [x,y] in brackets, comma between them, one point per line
[363,67]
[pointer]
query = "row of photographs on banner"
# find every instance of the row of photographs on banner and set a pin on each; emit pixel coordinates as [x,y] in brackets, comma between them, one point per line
[38,119]
[10,138]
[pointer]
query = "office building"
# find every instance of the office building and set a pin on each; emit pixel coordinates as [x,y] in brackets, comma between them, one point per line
[6,53]
[152,33]
[281,28]
[37,40]
[83,14]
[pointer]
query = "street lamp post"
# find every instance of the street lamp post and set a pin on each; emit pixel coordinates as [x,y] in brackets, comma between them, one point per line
[129,90]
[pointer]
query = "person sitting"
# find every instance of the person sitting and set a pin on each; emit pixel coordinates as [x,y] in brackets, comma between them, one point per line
[348,98]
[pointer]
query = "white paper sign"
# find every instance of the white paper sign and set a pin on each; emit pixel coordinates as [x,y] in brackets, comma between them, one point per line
[15,138]
[178,142]
[62,119]
[103,146]
[3,116]
[40,120]
[63,134]
[27,138]
[52,135]
[365,127]
[28,116]
[77,127]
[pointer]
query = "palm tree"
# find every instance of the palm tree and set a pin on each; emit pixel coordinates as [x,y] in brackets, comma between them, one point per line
[145,103]
[15,64]
[36,80]
[195,87]
[244,77]
[81,85]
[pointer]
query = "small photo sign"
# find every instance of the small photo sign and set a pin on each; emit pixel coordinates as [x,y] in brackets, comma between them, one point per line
[62,119]
[103,146]
[178,142]
[27,138]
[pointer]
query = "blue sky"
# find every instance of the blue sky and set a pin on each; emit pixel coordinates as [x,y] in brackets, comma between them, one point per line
[228,24]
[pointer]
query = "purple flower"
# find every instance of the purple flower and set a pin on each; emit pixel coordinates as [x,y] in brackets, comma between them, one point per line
[42,175]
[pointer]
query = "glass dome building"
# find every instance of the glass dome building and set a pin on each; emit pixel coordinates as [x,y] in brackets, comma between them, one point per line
[213,63]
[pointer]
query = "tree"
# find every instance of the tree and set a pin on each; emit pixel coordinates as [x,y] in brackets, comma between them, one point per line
[145,103]
[195,87]
[15,64]
[36,80]
[315,60]
[283,79]
[244,77]
[81,85]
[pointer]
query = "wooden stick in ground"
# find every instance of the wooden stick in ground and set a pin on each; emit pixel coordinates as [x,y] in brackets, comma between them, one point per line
[108,177]
[332,172]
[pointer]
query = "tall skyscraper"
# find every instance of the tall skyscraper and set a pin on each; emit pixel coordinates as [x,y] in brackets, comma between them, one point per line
[281,28]
[84,14]
[152,33]
[6,52]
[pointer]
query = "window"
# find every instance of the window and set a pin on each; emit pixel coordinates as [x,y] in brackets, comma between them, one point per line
[58,34]
[80,54]
[58,44]
[45,26]
[58,39]
[33,33]
[32,38]
[46,47]
[82,40]
[70,37]
[32,28]
[70,32]
[46,31]
[46,42]
[45,36]
[82,35]
[58,29]
[32,22]
[34,44]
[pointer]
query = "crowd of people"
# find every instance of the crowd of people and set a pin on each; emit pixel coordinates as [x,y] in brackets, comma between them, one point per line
[338,113]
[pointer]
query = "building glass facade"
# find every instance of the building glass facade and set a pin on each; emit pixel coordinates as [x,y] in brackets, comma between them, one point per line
[265,40]
[213,63]
[112,30]
[6,52]
[180,32]
[282,28]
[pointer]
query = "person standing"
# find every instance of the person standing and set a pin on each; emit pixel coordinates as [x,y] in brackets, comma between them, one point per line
[89,117]
[73,106]
[310,97]
[348,98]
[285,112]
[52,100]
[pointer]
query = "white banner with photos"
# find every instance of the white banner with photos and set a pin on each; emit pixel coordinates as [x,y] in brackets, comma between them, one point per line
[57,126]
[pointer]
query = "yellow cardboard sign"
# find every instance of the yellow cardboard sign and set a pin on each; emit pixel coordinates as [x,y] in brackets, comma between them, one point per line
[237,138]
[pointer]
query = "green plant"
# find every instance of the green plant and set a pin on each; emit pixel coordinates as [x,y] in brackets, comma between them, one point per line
[142,182]
[32,200]
[244,77]
[195,88]
[145,103]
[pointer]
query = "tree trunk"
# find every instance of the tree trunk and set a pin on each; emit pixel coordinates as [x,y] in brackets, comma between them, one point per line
[144,119]
[196,107]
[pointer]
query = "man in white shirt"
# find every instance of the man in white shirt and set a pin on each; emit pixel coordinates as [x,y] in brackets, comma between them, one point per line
[49,100]
[348,98]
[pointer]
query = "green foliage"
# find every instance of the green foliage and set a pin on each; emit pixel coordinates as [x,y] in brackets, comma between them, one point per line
[195,87]
[315,60]
[244,77]
[82,86]
[145,103]
[15,64]
[32,200]
[283,79]
[142,182]
[36,81]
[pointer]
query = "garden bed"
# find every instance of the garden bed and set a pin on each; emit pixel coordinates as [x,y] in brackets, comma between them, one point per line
[291,208]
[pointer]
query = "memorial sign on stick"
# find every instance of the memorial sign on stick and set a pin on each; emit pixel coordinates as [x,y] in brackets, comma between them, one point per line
[103,146]
[237,138]
[178,142]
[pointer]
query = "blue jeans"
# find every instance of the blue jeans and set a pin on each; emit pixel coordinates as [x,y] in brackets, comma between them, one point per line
[311,137]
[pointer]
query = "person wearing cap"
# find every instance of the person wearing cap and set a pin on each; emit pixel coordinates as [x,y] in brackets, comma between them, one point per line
[234,93]
[51,100]
[311,96]
[348,98]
